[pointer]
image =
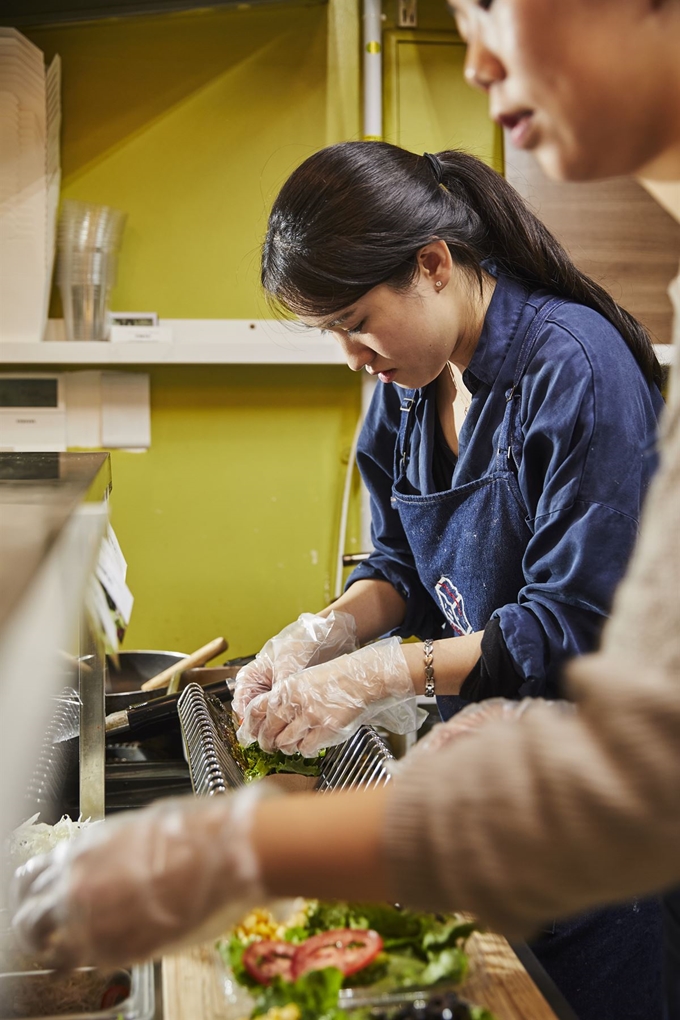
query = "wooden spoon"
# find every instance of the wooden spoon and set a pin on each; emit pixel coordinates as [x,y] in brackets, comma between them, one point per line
[197,658]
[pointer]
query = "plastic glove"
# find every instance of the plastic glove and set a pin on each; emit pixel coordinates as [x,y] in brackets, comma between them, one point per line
[473,717]
[309,640]
[326,704]
[181,870]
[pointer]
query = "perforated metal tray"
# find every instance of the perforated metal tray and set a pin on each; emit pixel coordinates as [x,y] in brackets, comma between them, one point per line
[212,751]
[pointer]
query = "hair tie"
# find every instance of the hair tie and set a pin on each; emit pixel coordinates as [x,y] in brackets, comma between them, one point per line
[435,166]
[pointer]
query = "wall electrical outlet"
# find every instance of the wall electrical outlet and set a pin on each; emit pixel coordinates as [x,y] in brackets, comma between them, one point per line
[407,13]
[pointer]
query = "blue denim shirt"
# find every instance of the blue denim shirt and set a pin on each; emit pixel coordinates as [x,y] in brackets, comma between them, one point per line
[583,457]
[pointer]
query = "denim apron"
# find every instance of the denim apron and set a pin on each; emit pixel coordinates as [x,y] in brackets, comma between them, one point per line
[468,543]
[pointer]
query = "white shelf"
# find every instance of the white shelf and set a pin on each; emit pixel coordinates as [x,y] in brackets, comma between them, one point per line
[195,342]
[201,342]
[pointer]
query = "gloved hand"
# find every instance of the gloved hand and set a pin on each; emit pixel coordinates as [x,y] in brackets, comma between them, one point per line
[326,704]
[181,870]
[309,640]
[473,717]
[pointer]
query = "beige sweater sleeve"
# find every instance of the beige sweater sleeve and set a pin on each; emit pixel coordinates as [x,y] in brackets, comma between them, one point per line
[645,620]
[523,822]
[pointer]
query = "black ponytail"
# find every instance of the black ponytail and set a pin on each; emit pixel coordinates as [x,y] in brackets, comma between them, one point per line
[355,215]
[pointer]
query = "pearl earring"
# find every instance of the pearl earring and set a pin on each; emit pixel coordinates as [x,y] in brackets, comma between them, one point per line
[438,283]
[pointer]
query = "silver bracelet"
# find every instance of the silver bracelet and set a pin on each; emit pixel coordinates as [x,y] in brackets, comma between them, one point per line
[428,648]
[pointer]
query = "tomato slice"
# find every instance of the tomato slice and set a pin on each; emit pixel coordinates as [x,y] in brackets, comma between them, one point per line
[348,949]
[268,959]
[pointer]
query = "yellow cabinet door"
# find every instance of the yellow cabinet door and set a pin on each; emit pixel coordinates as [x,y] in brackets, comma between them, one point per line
[428,106]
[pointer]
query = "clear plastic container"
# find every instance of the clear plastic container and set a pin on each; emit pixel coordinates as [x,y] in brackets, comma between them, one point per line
[386,1005]
[434,1004]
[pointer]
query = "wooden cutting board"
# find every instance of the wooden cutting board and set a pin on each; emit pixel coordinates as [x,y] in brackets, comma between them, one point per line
[497,980]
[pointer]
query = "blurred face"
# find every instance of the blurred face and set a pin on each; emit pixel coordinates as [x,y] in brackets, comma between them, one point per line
[406,337]
[590,87]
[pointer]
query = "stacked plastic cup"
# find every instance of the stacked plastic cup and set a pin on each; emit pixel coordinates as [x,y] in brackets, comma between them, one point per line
[88,240]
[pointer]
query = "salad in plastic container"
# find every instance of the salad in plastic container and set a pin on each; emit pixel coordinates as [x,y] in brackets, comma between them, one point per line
[329,959]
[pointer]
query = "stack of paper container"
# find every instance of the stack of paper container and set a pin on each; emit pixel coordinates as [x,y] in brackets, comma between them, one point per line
[30,116]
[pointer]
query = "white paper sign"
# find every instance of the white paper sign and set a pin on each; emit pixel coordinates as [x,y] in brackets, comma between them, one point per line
[111,571]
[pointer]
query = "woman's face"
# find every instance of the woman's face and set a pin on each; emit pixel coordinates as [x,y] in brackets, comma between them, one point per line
[406,337]
[583,84]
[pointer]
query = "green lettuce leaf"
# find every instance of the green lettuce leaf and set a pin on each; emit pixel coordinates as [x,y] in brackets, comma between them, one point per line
[232,950]
[296,935]
[398,927]
[450,931]
[315,994]
[259,763]
[448,964]
[402,972]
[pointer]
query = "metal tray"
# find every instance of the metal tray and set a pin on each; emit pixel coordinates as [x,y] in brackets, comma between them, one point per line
[211,751]
[139,1005]
[57,762]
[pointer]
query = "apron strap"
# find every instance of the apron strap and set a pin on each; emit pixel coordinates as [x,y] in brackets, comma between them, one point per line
[406,423]
[504,439]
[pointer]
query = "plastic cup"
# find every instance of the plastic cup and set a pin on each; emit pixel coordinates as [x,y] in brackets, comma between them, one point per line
[88,240]
[85,310]
[83,226]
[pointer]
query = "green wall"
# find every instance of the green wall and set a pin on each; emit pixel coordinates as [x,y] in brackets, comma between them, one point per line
[229,522]
[191,123]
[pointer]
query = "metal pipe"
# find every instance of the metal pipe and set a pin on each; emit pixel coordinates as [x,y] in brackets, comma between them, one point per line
[372,50]
[344,512]
[372,132]
[368,385]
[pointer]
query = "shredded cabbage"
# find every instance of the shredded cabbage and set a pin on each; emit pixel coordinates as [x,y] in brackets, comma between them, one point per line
[28,840]
[33,837]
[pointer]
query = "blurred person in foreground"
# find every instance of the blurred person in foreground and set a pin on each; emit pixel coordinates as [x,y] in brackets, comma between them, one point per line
[550,815]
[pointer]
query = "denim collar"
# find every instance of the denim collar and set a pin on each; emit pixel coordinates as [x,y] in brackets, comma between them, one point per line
[498,332]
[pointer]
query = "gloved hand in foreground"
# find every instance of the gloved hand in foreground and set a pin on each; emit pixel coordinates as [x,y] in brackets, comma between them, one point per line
[309,640]
[473,717]
[181,870]
[326,704]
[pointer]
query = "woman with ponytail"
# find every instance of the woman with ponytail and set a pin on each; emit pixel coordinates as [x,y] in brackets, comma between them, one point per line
[506,449]
[507,454]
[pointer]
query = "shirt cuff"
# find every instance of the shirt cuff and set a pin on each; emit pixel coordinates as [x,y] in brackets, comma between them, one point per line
[494,675]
